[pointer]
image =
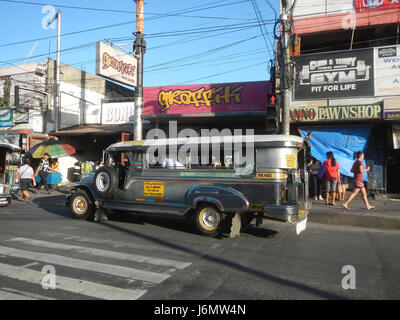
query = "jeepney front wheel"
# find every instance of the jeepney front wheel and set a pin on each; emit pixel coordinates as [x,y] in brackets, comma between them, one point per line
[208,220]
[81,207]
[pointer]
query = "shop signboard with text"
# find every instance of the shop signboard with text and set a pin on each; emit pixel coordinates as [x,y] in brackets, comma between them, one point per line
[387,70]
[334,75]
[6,117]
[372,5]
[115,65]
[117,113]
[336,113]
[206,99]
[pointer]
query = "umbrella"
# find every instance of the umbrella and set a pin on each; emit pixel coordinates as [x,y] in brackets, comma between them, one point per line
[55,149]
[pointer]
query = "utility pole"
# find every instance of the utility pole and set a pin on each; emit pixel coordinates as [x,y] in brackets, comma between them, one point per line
[285,67]
[57,93]
[56,85]
[139,49]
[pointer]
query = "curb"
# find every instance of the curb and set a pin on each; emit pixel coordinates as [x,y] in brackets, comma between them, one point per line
[355,220]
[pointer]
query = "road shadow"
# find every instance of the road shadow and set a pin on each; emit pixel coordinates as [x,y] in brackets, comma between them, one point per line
[53,203]
[227,263]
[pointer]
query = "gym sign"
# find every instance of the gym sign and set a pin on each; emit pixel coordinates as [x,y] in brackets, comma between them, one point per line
[334,113]
[115,65]
[334,75]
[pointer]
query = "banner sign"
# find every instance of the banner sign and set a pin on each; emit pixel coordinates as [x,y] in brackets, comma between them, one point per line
[368,5]
[117,113]
[333,113]
[334,75]
[387,70]
[208,98]
[12,138]
[115,65]
[6,117]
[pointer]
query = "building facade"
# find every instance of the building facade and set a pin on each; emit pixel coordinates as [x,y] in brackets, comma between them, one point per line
[85,118]
[347,80]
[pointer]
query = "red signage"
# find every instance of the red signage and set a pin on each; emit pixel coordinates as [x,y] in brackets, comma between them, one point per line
[208,98]
[368,5]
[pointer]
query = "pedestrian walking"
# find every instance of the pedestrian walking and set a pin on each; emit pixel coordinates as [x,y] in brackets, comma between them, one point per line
[43,171]
[315,185]
[331,177]
[358,171]
[25,175]
[344,184]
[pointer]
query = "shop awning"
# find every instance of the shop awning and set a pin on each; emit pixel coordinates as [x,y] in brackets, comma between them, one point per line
[94,129]
[343,141]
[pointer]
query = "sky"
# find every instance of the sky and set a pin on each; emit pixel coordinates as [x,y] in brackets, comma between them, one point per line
[188,41]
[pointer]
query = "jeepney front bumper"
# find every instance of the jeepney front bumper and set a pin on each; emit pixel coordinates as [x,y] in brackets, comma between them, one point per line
[285,212]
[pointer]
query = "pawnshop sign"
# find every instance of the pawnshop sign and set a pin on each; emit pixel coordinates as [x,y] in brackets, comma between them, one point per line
[115,65]
[333,113]
[208,98]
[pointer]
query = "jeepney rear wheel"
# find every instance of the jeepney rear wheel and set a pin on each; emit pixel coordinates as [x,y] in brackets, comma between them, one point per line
[81,206]
[208,220]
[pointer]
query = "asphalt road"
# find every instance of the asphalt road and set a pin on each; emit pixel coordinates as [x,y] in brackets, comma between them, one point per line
[132,257]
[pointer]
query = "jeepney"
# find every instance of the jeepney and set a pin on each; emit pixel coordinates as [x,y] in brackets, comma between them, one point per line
[10,159]
[220,184]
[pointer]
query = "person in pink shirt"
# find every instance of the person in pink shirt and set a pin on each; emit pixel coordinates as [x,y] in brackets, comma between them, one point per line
[358,171]
[331,177]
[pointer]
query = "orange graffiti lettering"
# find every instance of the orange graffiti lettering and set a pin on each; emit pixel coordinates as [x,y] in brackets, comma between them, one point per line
[200,97]
[118,65]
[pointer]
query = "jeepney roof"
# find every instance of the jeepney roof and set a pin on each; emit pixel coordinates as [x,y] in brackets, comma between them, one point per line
[10,146]
[259,140]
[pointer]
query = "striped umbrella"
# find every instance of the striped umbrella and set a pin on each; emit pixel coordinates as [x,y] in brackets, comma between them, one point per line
[55,149]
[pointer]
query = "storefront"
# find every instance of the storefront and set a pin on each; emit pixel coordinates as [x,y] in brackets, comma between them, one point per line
[391,116]
[89,142]
[345,130]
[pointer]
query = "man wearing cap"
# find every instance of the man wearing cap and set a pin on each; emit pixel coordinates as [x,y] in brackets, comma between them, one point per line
[42,170]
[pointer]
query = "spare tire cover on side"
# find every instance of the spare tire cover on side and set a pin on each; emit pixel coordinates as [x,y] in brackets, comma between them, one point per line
[106,181]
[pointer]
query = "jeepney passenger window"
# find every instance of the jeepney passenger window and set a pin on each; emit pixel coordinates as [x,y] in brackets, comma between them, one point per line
[137,162]
[244,165]
[214,161]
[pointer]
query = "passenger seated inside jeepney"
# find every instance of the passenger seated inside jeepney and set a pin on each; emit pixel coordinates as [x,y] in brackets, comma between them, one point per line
[171,163]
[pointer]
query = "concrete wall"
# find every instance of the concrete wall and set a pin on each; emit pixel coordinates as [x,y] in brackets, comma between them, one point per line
[310,8]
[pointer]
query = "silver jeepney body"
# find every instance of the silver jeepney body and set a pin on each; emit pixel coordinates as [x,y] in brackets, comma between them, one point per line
[274,186]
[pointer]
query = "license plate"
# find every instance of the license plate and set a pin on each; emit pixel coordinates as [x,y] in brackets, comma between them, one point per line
[301,226]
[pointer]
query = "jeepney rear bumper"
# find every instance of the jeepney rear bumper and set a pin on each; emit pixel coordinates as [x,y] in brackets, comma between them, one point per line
[285,212]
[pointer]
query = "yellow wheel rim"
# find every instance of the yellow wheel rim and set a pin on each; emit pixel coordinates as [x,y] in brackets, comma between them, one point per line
[209,218]
[79,205]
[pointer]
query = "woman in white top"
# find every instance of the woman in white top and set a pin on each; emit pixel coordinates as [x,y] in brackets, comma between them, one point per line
[25,175]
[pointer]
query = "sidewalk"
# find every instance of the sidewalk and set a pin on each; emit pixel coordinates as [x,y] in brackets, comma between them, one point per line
[386,215]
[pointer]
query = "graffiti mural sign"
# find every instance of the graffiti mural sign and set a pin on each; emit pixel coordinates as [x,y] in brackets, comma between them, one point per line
[115,65]
[209,98]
